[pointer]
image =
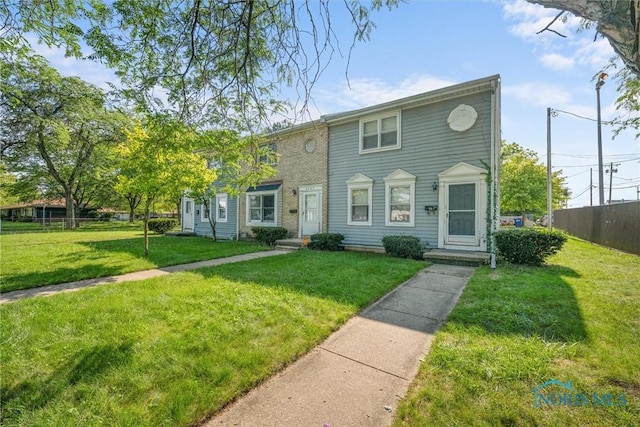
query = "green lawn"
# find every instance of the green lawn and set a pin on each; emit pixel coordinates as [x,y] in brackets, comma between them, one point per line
[577,319]
[175,349]
[35,259]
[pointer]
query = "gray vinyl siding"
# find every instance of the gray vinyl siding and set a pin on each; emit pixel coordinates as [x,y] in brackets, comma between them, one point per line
[224,230]
[429,147]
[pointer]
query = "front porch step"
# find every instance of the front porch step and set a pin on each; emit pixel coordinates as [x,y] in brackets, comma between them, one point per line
[441,256]
[180,233]
[289,244]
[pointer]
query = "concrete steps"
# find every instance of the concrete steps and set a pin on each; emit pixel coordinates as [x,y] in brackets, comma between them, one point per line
[289,244]
[441,256]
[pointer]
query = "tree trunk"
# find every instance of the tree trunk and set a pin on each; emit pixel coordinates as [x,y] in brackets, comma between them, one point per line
[145,220]
[211,215]
[70,208]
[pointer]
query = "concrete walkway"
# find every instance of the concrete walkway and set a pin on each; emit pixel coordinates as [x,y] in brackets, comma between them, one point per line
[354,378]
[359,374]
[138,275]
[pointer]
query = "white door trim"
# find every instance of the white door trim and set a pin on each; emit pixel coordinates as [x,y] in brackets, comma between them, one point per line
[463,173]
[303,191]
[188,214]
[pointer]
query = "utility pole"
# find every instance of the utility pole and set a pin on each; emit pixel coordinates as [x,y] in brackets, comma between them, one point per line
[610,171]
[601,79]
[549,194]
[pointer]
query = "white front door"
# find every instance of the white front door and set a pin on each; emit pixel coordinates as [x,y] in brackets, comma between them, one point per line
[311,215]
[187,214]
[462,214]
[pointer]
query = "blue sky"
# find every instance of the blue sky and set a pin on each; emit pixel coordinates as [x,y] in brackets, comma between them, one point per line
[428,44]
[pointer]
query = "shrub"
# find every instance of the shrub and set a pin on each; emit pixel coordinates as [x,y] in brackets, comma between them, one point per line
[161,225]
[528,246]
[403,246]
[269,235]
[326,241]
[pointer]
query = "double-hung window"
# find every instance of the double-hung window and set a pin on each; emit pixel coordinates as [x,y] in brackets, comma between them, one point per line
[400,188]
[360,188]
[204,215]
[380,133]
[221,207]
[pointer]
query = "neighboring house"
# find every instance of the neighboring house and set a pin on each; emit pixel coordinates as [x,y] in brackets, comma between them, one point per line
[425,166]
[49,209]
[295,198]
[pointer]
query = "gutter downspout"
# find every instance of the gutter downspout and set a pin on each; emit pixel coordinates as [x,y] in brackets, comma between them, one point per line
[495,158]
[237,218]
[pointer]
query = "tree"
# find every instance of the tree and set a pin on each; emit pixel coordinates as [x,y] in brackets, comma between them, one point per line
[618,21]
[218,59]
[239,161]
[523,182]
[54,124]
[163,152]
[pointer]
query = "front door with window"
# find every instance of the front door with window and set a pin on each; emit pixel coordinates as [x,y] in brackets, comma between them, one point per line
[462,223]
[311,213]
[462,210]
[187,214]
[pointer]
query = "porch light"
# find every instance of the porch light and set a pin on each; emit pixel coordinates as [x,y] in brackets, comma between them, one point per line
[434,185]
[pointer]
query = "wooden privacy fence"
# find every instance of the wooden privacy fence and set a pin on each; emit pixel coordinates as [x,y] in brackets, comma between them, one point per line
[616,226]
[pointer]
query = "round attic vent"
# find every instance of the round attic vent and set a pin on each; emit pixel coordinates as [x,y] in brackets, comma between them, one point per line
[462,117]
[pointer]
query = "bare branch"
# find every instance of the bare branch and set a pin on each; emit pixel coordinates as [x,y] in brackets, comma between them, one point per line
[547,28]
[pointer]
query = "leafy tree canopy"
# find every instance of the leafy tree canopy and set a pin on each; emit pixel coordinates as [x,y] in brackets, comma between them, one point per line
[216,59]
[523,182]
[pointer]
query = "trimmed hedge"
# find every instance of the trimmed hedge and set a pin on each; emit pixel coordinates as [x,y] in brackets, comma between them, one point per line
[528,246]
[269,235]
[326,241]
[161,225]
[403,246]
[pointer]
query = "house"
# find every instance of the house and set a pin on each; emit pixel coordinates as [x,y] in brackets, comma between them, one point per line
[424,166]
[34,211]
[295,198]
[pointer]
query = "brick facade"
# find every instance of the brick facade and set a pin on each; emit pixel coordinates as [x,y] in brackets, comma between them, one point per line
[302,165]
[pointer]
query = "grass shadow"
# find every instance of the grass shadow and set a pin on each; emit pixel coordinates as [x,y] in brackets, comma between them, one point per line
[351,278]
[525,301]
[84,367]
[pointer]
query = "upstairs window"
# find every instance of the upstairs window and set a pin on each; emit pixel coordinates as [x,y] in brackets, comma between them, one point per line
[269,153]
[380,133]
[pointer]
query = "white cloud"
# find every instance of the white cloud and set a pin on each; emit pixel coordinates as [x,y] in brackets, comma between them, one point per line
[558,62]
[540,94]
[89,71]
[363,92]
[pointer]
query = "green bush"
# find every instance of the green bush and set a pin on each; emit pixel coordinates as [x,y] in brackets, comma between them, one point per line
[326,241]
[528,246]
[403,246]
[161,225]
[269,235]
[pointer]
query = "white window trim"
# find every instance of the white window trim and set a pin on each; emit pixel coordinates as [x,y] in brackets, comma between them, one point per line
[359,182]
[248,209]
[203,216]
[221,196]
[399,178]
[379,118]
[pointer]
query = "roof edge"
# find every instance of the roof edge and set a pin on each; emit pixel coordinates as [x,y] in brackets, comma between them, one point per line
[448,92]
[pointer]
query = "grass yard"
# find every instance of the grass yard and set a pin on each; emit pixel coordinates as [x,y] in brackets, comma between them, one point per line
[175,349]
[577,319]
[35,259]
